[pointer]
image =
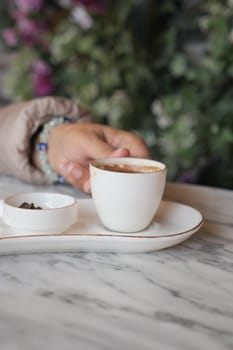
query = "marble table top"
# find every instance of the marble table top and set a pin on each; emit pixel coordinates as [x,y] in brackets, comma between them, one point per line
[177,298]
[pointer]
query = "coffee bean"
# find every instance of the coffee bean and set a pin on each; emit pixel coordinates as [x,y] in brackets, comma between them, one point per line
[26,205]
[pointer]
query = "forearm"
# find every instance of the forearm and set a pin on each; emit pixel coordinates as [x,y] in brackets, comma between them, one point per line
[18,124]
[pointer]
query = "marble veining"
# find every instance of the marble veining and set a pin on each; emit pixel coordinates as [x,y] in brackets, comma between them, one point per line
[178,298]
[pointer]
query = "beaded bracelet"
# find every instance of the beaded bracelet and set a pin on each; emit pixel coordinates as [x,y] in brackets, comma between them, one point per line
[42,147]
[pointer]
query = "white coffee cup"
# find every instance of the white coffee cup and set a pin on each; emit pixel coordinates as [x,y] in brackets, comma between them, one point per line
[127,201]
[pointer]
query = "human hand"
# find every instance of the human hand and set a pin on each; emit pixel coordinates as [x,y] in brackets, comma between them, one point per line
[73,146]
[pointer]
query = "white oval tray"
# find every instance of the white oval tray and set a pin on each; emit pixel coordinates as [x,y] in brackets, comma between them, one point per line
[172,224]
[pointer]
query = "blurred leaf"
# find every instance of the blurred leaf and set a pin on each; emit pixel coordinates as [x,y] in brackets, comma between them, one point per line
[178,65]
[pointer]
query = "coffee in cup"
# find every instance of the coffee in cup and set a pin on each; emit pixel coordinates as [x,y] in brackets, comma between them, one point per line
[129,168]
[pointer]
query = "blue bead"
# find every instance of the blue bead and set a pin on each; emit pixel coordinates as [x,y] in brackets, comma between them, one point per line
[42,146]
[66,120]
[61,180]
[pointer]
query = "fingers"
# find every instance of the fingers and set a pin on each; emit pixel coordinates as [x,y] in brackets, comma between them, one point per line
[98,148]
[118,153]
[120,139]
[88,142]
[135,145]
[76,174]
[87,186]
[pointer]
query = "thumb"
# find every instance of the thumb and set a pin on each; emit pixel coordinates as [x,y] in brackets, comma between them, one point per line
[118,153]
[101,149]
[98,148]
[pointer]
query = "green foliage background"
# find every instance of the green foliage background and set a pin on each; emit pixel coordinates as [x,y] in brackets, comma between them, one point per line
[162,69]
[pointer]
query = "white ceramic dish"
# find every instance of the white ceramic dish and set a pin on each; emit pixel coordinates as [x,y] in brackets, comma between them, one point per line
[58,213]
[172,224]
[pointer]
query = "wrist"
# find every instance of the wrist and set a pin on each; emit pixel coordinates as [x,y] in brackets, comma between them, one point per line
[56,145]
[41,156]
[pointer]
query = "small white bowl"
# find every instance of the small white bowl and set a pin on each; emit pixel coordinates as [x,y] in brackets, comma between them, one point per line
[58,213]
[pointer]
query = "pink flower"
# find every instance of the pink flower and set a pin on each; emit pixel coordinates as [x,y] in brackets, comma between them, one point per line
[30,27]
[10,37]
[27,6]
[96,6]
[30,30]
[41,68]
[42,79]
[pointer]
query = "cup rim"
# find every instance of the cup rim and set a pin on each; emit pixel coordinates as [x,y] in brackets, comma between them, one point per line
[132,160]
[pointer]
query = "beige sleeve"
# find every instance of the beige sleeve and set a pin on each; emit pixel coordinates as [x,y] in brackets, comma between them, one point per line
[18,122]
